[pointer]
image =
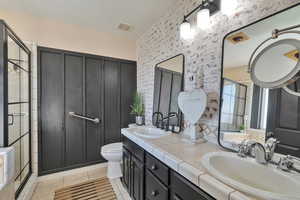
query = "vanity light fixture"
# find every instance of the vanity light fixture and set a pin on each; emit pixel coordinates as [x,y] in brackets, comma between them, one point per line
[203,18]
[185,30]
[228,6]
[206,9]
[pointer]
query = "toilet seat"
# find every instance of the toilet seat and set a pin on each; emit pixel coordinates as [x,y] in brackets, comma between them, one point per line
[113,154]
[112,148]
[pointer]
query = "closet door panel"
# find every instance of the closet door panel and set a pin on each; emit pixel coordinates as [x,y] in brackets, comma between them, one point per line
[75,135]
[112,101]
[166,83]
[52,110]
[94,132]
[128,88]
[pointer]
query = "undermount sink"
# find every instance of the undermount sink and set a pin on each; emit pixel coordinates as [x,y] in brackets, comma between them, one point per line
[245,175]
[148,132]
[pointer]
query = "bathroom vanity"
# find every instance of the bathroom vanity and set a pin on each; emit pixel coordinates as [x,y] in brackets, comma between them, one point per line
[171,168]
[146,177]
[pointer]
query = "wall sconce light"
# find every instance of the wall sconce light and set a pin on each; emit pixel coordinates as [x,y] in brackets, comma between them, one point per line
[203,18]
[185,30]
[206,9]
[228,6]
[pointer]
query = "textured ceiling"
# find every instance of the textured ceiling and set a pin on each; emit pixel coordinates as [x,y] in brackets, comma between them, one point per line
[103,15]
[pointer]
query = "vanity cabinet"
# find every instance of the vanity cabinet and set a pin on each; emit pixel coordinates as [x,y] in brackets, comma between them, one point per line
[155,190]
[126,168]
[137,179]
[146,177]
[133,169]
[181,189]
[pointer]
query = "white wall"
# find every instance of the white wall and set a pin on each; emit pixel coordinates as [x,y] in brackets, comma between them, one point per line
[203,53]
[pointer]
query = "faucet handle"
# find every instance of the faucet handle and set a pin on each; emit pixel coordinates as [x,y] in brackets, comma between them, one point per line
[285,163]
[245,148]
[293,158]
[242,150]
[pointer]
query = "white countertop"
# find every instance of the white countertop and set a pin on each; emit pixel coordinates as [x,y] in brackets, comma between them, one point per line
[185,158]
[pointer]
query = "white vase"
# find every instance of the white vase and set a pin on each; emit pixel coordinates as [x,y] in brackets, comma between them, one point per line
[139,120]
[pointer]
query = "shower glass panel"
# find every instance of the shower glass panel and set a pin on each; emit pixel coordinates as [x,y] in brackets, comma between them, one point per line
[16,102]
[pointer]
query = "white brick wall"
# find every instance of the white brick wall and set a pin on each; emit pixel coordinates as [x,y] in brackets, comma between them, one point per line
[202,54]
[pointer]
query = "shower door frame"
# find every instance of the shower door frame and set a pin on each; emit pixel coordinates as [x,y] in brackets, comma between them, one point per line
[5,32]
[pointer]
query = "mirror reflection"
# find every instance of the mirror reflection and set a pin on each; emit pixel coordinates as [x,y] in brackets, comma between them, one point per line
[168,84]
[255,106]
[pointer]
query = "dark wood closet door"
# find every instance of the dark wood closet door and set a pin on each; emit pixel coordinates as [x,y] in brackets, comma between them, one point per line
[74,101]
[51,139]
[93,104]
[166,83]
[91,86]
[112,101]
[284,121]
[128,88]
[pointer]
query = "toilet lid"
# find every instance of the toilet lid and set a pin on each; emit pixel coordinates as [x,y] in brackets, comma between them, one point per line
[114,147]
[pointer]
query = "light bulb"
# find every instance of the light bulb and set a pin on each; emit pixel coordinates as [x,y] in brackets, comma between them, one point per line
[203,18]
[228,6]
[185,30]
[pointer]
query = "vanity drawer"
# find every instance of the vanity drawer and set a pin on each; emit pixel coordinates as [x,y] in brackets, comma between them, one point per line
[182,189]
[135,149]
[155,190]
[160,170]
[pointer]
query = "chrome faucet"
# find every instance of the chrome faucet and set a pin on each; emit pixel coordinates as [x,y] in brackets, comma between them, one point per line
[263,154]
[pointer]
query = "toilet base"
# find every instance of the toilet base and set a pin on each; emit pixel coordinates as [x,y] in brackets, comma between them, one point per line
[114,170]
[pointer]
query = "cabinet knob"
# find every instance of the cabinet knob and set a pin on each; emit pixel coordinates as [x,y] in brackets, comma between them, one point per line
[154,193]
[153,167]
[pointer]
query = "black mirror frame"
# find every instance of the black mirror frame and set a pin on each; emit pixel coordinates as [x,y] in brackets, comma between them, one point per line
[222,67]
[181,89]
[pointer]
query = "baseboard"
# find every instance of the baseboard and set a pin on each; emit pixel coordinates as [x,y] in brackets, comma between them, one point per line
[70,172]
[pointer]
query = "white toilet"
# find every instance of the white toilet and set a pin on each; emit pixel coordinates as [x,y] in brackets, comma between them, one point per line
[113,154]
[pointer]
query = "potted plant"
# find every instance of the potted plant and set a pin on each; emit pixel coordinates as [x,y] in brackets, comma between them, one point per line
[242,128]
[137,108]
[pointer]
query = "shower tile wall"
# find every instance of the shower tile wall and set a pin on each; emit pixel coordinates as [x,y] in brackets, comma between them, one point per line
[34,111]
[203,53]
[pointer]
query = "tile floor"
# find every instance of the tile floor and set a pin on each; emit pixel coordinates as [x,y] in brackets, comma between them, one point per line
[45,189]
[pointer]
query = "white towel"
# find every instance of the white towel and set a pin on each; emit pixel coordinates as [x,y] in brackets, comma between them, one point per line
[7,166]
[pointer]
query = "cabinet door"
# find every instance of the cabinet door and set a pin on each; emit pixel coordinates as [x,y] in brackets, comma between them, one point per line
[182,189]
[154,189]
[126,169]
[137,179]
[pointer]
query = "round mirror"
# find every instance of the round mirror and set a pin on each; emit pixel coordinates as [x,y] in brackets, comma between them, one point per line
[277,65]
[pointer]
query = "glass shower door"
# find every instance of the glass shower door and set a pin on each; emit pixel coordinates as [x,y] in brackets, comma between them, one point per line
[18,108]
